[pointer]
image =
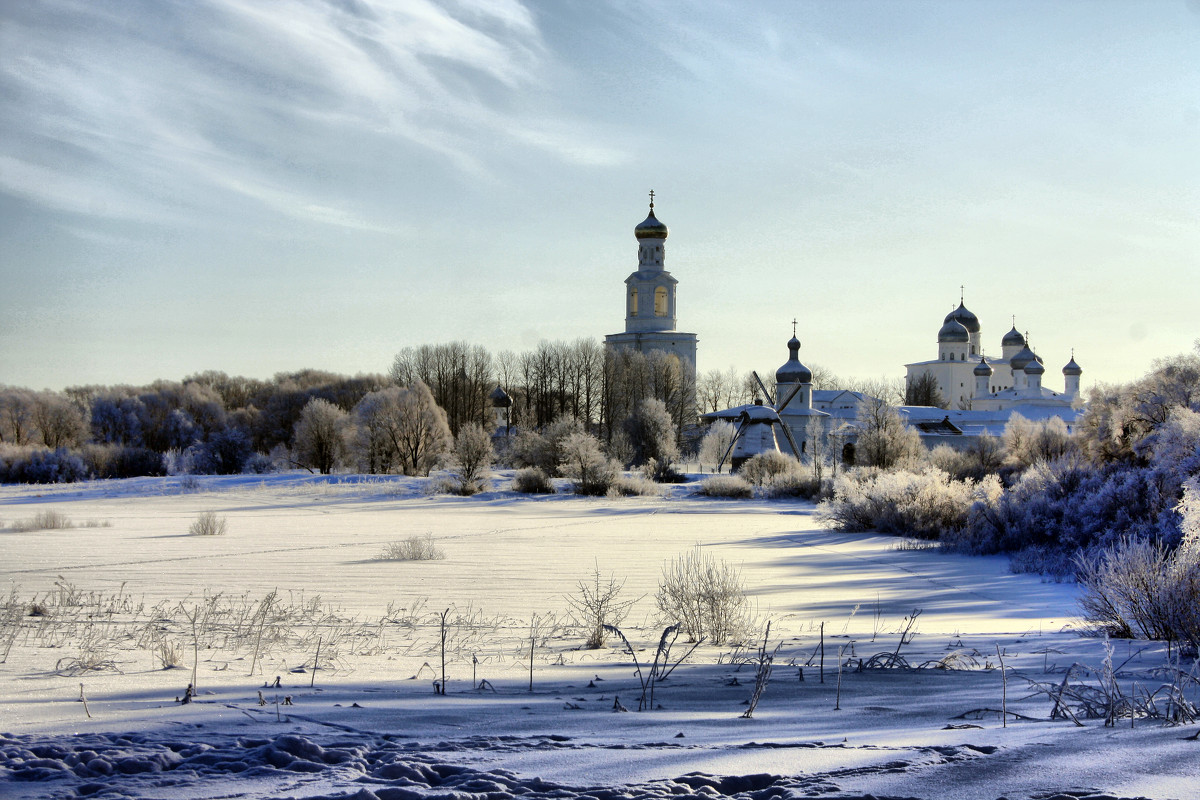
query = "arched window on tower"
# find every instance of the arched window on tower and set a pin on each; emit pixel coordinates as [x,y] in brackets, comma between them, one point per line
[633,302]
[660,301]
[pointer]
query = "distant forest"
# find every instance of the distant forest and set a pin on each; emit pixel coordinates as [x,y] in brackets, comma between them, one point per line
[215,423]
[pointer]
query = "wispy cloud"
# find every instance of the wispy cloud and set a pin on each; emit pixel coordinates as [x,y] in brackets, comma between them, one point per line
[148,110]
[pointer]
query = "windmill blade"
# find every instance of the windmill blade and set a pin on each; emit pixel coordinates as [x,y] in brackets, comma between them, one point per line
[763,386]
[732,442]
[787,431]
[795,391]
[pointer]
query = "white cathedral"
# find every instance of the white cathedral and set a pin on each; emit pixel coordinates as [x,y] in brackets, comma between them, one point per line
[968,380]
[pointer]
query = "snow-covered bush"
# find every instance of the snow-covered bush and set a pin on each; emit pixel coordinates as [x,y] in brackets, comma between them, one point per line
[705,595]
[762,467]
[545,450]
[209,524]
[1139,589]
[532,480]
[224,453]
[28,464]
[732,486]
[635,485]
[414,548]
[584,462]
[1068,506]
[107,461]
[925,505]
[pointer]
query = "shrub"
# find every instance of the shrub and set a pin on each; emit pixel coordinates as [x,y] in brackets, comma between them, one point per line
[38,465]
[596,604]
[414,548]
[1138,589]
[545,450]
[705,596]
[209,524]
[110,461]
[633,486]
[802,482]
[1068,506]
[532,480]
[585,464]
[727,486]
[43,521]
[761,467]
[925,505]
[225,453]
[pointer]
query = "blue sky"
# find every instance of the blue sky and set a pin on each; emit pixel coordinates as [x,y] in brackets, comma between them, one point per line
[259,187]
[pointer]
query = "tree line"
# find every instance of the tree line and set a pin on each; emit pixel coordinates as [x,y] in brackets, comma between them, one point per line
[212,422]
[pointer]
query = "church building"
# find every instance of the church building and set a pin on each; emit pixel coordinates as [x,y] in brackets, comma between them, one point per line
[650,309]
[968,380]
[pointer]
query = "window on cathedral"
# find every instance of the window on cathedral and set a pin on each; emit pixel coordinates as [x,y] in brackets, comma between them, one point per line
[660,301]
[633,302]
[952,356]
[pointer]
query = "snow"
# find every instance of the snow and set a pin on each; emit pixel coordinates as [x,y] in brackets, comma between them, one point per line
[371,726]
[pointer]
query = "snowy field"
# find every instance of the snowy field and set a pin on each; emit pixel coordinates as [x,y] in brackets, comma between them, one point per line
[88,709]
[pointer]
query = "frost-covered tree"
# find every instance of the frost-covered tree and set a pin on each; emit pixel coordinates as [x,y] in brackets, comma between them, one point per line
[716,443]
[319,442]
[584,462]
[885,441]
[651,432]
[472,457]
[1027,443]
[59,421]
[421,432]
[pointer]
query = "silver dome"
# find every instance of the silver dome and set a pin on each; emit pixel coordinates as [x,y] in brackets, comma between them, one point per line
[968,320]
[953,331]
[793,371]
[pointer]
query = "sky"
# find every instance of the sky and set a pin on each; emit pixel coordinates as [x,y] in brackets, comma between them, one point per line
[265,187]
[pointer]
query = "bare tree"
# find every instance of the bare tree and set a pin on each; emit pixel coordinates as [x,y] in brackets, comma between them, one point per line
[923,390]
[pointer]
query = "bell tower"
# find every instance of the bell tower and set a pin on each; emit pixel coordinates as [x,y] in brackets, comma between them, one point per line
[650,295]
